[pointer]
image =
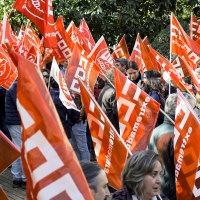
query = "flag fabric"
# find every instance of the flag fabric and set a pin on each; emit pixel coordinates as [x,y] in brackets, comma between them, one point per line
[2,194]
[77,37]
[80,66]
[85,31]
[110,150]
[41,14]
[65,45]
[64,94]
[121,50]
[169,68]
[73,33]
[195,29]
[141,56]
[101,55]
[193,75]
[49,162]
[186,152]
[8,152]
[21,49]
[180,67]
[156,65]
[8,71]
[182,45]
[7,32]
[137,113]
[32,55]
[21,33]
[31,39]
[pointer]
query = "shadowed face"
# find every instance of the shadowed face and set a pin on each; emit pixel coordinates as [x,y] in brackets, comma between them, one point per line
[132,74]
[101,191]
[120,67]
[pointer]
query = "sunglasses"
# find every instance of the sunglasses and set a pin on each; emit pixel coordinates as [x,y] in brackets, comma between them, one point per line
[45,76]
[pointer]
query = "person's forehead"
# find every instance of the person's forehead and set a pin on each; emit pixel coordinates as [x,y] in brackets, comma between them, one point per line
[45,73]
[117,63]
[131,70]
[102,178]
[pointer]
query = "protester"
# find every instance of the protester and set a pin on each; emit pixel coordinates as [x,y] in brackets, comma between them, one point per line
[197,107]
[197,71]
[161,142]
[79,140]
[107,99]
[97,180]
[133,72]
[13,123]
[154,88]
[45,74]
[3,127]
[68,117]
[141,178]
[63,66]
[121,64]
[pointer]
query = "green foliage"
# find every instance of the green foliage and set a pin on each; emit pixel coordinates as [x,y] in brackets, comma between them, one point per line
[113,18]
[161,42]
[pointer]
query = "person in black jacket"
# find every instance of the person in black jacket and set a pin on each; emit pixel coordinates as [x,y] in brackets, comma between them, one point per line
[68,117]
[13,123]
[107,99]
[3,127]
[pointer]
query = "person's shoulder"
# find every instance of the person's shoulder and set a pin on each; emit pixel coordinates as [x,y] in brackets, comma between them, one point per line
[162,197]
[122,194]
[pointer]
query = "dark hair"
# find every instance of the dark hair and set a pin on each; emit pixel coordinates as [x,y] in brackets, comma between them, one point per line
[132,65]
[45,70]
[122,61]
[152,73]
[53,83]
[48,65]
[138,165]
[153,84]
[91,170]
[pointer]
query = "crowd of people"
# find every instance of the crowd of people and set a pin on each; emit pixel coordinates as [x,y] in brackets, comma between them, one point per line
[148,174]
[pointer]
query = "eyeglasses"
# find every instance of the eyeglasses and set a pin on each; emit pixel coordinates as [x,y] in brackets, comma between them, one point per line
[45,76]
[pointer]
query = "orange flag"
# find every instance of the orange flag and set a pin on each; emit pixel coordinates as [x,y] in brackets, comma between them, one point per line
[85,31]
[41,14]
[64,43]
[8,71]
[156,65]
[82,67]
[8,152]
[101,55]
[169,68]
[121,50]
[77,37]
[73,33]
[2,194]
[182,45]
[109,148]
[137,113]
[195,29]
[31,39]
[50,164]
[141,56]
[7,32]
[32,55]
[186,152]
[193,76]
[180,67]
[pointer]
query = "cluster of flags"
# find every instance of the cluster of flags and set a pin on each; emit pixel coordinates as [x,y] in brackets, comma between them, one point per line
[50,165]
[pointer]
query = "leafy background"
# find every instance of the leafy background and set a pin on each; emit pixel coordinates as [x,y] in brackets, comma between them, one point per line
[114,18]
